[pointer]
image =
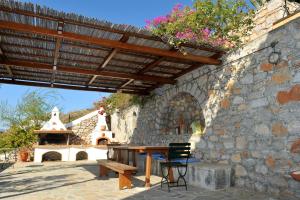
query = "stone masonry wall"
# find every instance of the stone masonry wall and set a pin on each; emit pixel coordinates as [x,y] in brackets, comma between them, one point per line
[251,110]
[123,124]
[82,131]
[268,14]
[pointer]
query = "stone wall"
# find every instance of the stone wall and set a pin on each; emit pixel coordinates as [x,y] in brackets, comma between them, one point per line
[123,124]
[251,110]
[268,14]
[82,131]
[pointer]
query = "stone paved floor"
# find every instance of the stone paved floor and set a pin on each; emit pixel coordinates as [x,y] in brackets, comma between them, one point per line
[79,181]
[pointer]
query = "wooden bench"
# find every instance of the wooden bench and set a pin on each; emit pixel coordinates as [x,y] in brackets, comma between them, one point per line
[125,171]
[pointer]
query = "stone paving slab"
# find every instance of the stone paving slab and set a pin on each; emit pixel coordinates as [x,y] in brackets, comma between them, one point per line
[80,181]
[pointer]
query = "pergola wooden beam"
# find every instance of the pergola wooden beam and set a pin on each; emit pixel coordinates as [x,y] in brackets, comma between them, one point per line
[106,42]
[111,74]
[69,87]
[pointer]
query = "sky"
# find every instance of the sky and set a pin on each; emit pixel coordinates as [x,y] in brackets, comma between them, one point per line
[133,12]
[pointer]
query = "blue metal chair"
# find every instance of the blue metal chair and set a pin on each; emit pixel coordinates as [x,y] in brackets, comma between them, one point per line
[178,157]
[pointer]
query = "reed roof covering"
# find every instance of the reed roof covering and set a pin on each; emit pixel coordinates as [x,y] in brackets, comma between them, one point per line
[43,47]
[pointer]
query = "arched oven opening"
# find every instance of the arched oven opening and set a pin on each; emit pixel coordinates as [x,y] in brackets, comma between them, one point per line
[103,141]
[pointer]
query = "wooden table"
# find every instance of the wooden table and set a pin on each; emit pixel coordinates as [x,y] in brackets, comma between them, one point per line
[144,149]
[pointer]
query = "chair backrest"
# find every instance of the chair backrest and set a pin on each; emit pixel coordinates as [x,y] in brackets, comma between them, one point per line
[179,151]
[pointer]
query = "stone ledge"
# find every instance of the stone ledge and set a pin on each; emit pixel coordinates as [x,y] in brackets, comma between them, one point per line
[210,176]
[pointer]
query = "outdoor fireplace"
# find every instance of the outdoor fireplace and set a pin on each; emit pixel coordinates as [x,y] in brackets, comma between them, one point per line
[101,135]
[55,144]
[53,132]
[46,139]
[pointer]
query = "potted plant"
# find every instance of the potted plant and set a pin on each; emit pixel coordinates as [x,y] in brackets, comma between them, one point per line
[23,139]
[24,154]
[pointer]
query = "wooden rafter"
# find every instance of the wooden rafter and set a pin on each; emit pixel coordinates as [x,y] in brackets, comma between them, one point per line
[106,42]
[55,60]
[107,59]
[60,27]
[70,87]
[126,83]
[69,69]
[151,65]
[143,70]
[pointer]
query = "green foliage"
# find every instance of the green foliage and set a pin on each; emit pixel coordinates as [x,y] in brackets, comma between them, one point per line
[221,23]
[22,120]
[71,116]
[197,128]
[118,101]
[258,3]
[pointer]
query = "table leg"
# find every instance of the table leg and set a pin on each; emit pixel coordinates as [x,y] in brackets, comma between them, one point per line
[133,159]
[119,155]
[127,161]
[171,175]
[148,169]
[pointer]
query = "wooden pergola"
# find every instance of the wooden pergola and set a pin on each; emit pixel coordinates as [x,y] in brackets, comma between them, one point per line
[46,48]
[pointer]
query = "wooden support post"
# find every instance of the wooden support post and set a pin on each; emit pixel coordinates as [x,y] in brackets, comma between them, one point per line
[148,169]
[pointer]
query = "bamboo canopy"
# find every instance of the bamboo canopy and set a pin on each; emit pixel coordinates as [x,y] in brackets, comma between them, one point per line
[43,47]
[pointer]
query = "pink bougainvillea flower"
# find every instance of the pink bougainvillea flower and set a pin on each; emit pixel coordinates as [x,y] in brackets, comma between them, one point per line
[205,33]
[159,20]
[177,7]
[186,35]
[148,24]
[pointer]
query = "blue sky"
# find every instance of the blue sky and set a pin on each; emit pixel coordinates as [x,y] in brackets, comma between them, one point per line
[133,12]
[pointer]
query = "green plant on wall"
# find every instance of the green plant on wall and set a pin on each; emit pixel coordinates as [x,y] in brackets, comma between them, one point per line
[119,101]
[197,128]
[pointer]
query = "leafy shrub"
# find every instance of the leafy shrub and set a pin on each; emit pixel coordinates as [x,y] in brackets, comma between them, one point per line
[221,24]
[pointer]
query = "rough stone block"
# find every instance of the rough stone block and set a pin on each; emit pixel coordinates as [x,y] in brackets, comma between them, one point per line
[238,100]
[259,103]
[210,176]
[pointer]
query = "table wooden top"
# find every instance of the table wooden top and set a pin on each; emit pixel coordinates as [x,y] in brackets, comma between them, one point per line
[143,148]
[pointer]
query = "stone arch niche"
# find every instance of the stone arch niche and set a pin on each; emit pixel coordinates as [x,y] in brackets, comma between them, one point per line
[179,113]
[81,155]
[51,156]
